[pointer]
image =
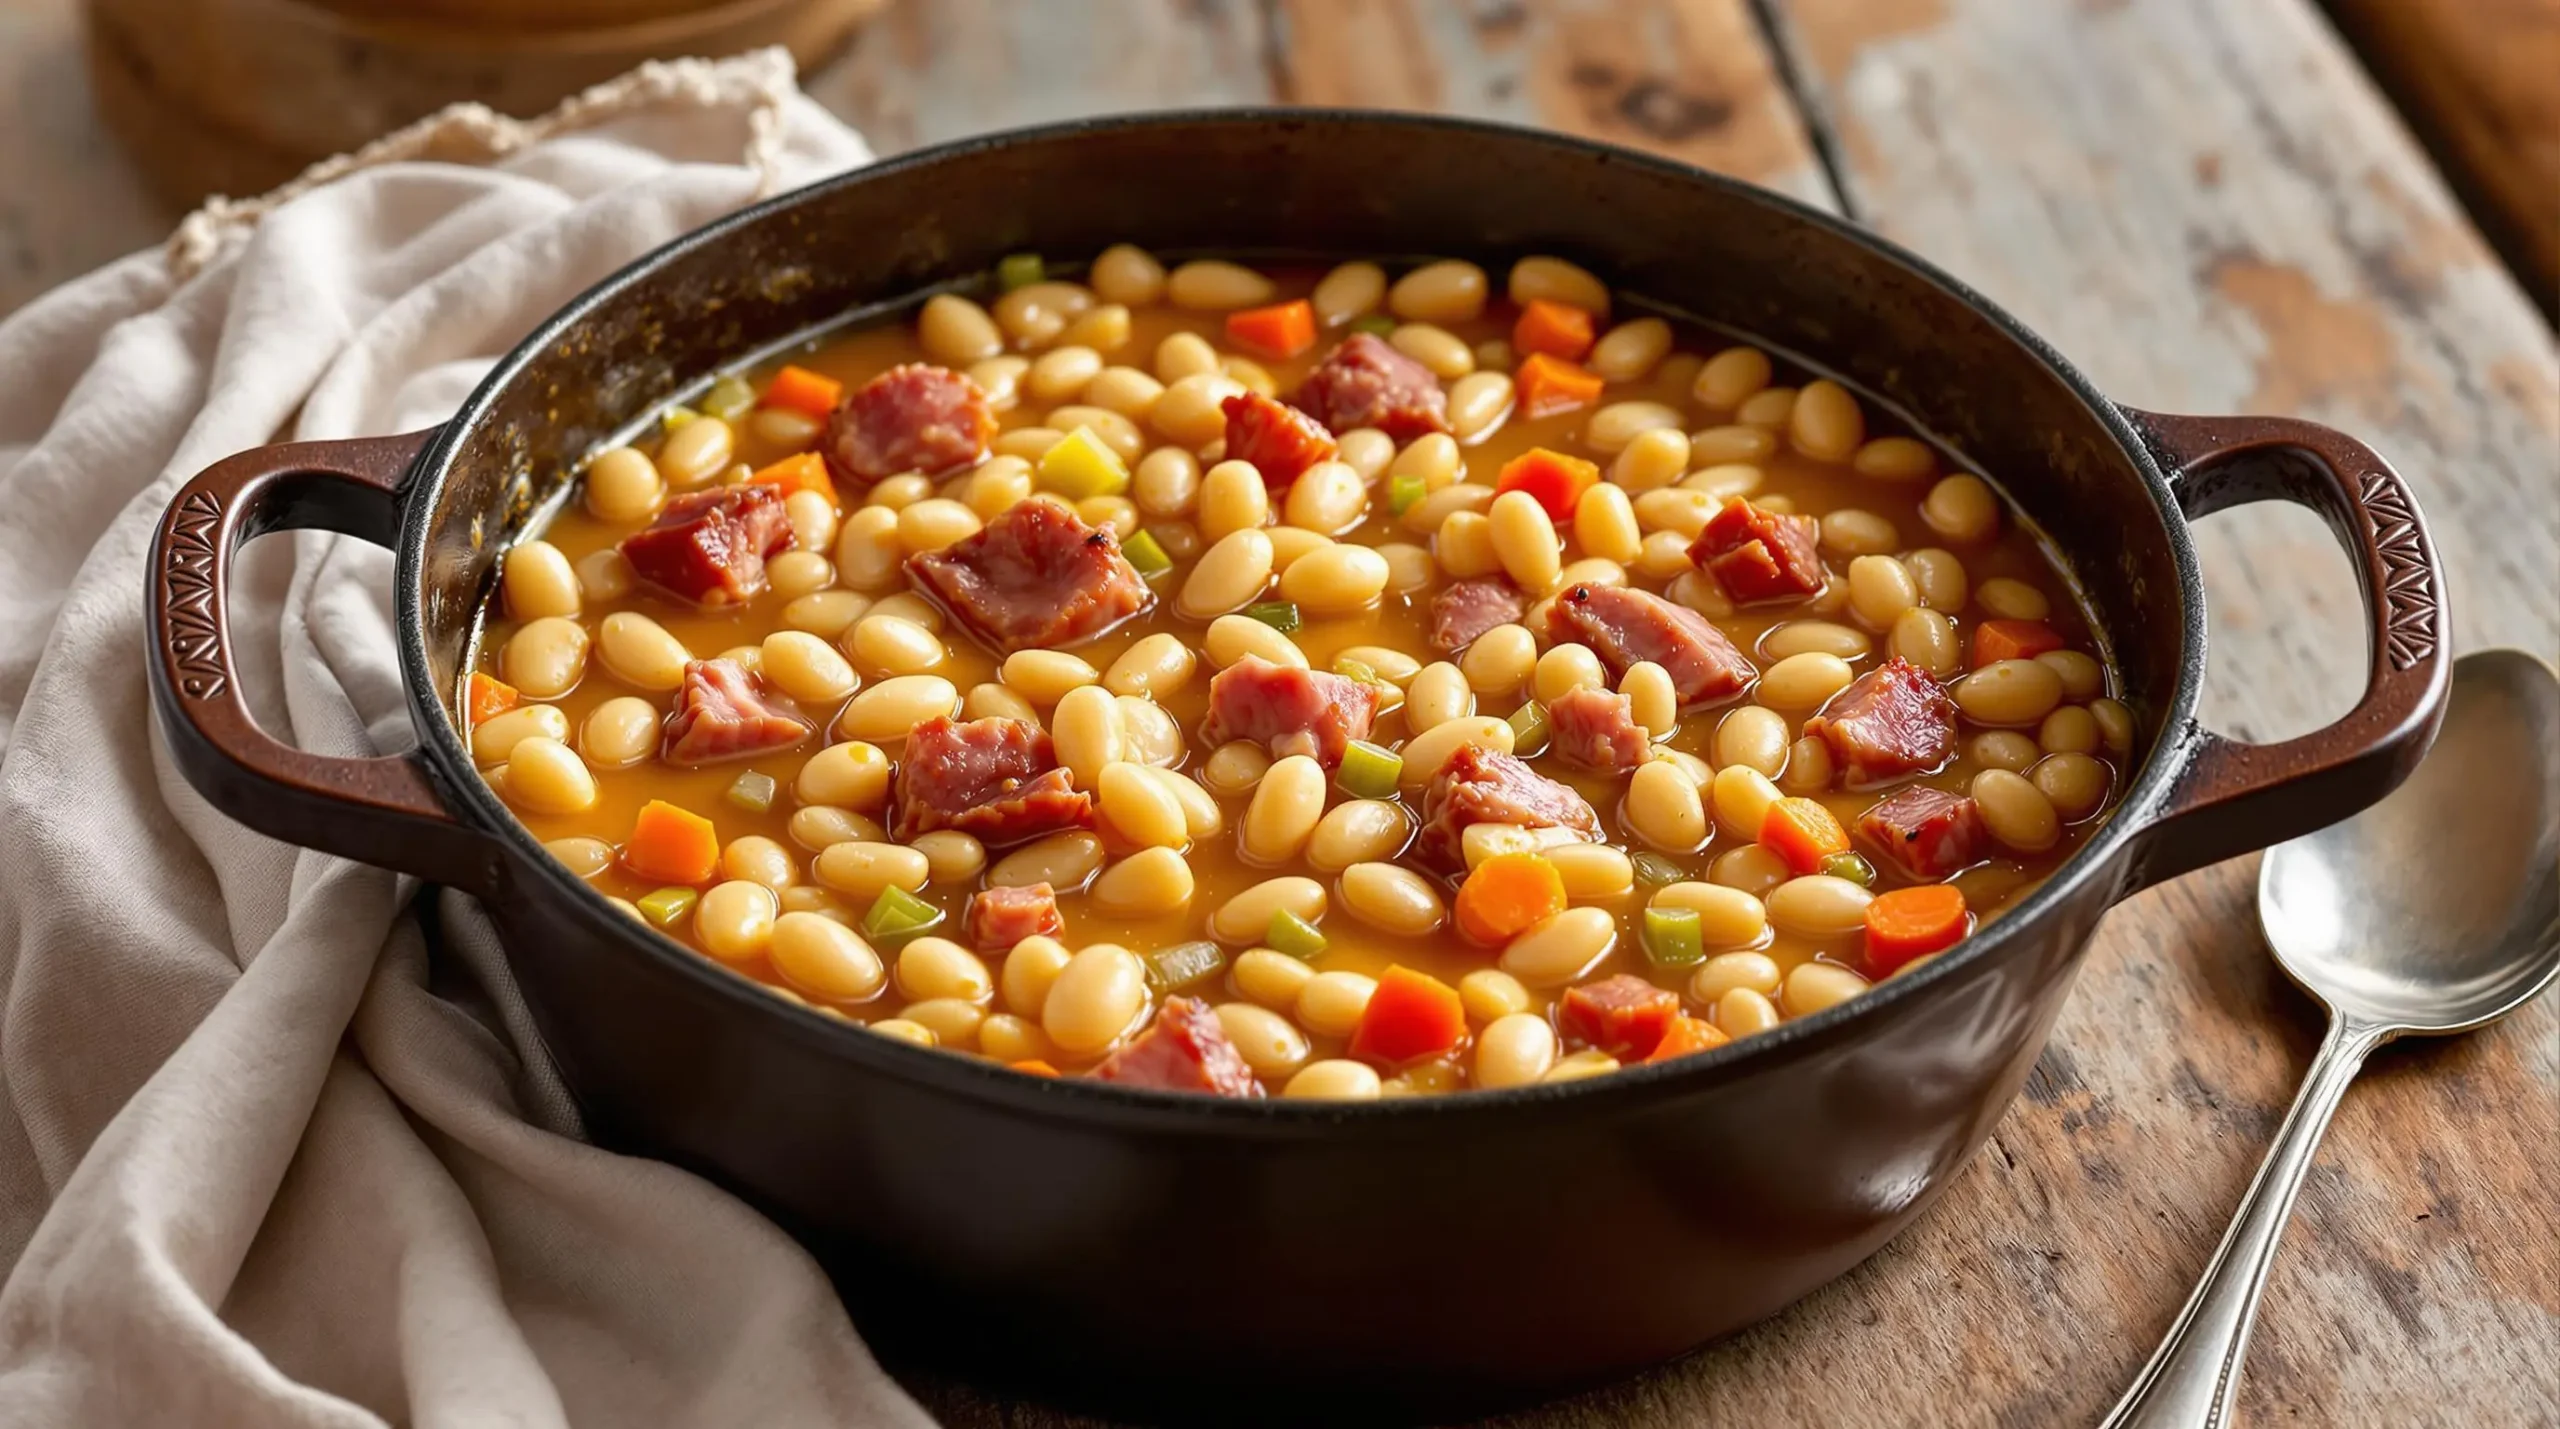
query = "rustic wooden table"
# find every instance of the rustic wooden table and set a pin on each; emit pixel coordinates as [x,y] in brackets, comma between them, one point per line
[2210,207]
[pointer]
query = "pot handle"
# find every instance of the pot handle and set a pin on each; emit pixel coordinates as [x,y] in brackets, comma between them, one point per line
[2232,797]
[384,810]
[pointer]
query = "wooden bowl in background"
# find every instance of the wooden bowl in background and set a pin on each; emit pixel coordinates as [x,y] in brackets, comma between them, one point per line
[238,96]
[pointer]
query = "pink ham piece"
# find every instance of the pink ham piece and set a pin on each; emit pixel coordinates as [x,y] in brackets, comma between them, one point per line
[722,712]
[1892,721]
[1184,1050]
[1928,833]
[1366,383]
[1281,442]
[998,918]
[1625,626]
[1484,786]
[1036,578]
[709,547]
[1287,710]
[1624,1016]
[912,417]
[1760,555]
[995,778]
[1467,609]
[1597,730]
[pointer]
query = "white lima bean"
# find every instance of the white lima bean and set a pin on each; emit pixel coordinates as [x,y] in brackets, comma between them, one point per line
[889,709]
[1514,1050]
[1449,291]
[1283,812]
[1228,576]
[1353,290]
[538,581]
[496,737]
[1094,999]
[1393,899]
[1154,880]
[1561,948]
[545,776]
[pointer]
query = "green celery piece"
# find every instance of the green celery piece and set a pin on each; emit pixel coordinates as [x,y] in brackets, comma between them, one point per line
[729,399]
[1528,728]
[1359,670]
[1293,935]
[1020,270]
[1369,772]
[1147,554]
[1654,869]
[1851,867]
[1672,937]
[752,790]
[677,415]
[1170,969]
[667,906]
[898,916]
[1375,324]
[1403,492]
[1083,465]
[1280,615]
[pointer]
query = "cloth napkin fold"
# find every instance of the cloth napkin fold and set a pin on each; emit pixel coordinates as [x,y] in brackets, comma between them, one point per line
[267,1158]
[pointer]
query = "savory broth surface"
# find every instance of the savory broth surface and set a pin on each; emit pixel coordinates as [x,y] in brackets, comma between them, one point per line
[1747,449]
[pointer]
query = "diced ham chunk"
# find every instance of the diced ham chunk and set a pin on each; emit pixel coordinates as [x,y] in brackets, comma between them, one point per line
[722,712]
[1760,555]
[996,778]
[1036,578]
[1624,1016]
[1625,626]
[998,918]
[1184,1050]
[1927,833]
[1281,442]
[1366,383]
[1485,786]
[709,547]
[1287,710]
[913,417]
[1891,721]
[1468,609]
[1597,730]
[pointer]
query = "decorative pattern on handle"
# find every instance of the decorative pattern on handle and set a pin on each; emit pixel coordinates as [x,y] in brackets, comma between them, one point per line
[2415,624]
[194,631]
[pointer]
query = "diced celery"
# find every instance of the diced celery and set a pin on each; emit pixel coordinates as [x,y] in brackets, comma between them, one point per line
[1672,937]
[1146,553]
[1183,964]
[1528,728]
[1654,869]
[752,791]
[1293,935]
[1280,615]
[1404,491]
[1083,465]
[1019,270]
[1369,772]
[676,416]
[729,399]
[898,916]
[667,906]
[1375,324]
[1360,670]
[1851,867]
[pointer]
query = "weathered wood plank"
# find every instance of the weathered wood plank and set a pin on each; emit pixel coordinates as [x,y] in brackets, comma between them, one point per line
[71,201]
[2474,80]
[2210,209]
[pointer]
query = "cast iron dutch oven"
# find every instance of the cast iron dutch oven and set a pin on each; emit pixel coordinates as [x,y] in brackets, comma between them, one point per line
[1415,1256]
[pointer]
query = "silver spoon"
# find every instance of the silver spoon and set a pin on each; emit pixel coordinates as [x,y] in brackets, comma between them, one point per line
[2435,911]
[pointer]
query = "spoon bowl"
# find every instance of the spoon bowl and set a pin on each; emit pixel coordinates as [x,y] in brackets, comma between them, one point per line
[2438,909]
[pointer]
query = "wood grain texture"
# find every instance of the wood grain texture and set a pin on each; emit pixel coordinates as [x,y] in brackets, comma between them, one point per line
[2474,79]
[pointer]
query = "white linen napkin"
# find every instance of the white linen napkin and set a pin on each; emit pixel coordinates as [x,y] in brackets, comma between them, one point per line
[265,1158]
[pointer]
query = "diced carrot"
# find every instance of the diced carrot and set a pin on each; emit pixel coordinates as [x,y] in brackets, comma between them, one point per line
[1909,923]
[804,472]
[1034,1066]
[1687,1035]
[802,390]
[1280,330]
[489,697]
[2012,640]
[1552,327]
[1410,1015]
[672,845]
[1507,895]
[1557,480]
[1547,384]
[1803,833]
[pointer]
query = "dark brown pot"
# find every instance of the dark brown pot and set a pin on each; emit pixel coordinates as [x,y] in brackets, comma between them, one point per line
[1401,1257]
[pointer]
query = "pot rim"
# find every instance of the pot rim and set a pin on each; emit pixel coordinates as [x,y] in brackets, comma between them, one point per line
[442,746]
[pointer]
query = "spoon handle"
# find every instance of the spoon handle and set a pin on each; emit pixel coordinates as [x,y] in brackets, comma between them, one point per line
[2195,1374]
